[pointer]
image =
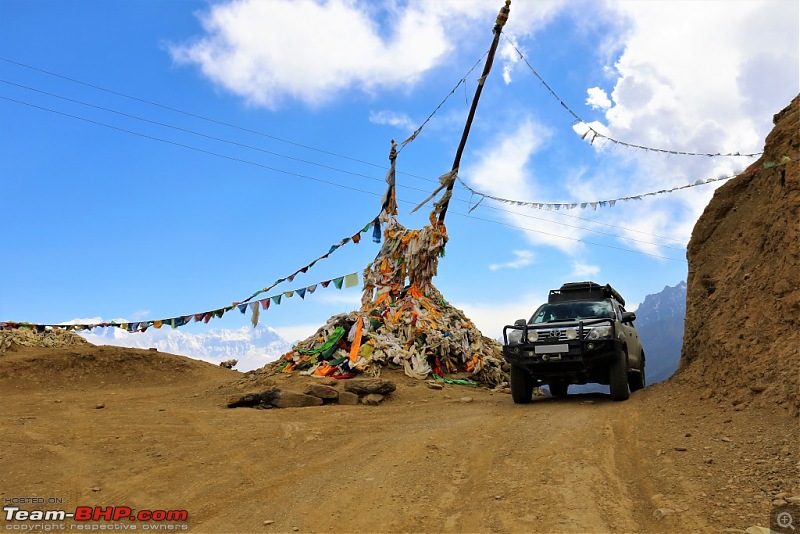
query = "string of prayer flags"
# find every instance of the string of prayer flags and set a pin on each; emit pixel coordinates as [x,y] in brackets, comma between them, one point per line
[596,134]
[255,307]
[355,238]
[593,204]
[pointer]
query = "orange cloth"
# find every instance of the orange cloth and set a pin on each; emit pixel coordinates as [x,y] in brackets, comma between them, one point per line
[356,346]
[415,292]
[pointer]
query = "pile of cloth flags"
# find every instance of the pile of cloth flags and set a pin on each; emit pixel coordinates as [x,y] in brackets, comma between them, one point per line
[404,322]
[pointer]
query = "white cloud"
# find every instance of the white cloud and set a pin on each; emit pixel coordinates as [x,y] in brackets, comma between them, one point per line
[523,259]
[502,170]
[665,96]
[490,318]
[272,53]
[510,57]
[584,270]
[296,332]
[391,118]
[283,50]
[598,99]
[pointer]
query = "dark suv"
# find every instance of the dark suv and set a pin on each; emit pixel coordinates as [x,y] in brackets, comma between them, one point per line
[582,334]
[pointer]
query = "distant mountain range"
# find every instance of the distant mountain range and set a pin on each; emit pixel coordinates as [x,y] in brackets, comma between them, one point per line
[659,320]
[253,347]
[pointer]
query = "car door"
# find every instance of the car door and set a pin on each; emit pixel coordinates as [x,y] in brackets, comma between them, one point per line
[632,340]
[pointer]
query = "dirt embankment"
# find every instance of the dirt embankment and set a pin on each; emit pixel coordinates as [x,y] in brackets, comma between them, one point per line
[742,331]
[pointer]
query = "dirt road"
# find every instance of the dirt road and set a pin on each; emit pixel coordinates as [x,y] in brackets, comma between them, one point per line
[121,427]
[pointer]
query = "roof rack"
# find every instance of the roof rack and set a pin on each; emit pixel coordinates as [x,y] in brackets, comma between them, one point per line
[584,291]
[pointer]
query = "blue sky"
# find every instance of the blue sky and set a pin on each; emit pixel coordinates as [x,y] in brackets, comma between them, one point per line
[162,158]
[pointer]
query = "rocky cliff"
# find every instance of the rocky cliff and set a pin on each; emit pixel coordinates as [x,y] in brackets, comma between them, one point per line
[742,331]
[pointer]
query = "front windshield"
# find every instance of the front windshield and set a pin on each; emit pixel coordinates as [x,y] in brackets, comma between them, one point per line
[566,311]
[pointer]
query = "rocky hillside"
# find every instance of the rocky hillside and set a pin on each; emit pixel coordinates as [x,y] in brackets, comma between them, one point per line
[742,331]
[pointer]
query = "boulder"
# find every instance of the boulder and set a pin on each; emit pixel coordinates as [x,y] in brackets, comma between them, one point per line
[322,391]
[289,399]
[373,399]
[366,386]
[252,399]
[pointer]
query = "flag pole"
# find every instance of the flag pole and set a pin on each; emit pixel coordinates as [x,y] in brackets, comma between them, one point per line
[502,17]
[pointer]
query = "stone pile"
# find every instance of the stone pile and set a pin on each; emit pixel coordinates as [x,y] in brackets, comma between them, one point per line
[30,337]
[371,391]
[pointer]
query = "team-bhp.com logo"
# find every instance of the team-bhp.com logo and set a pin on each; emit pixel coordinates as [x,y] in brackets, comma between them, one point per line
[95,513]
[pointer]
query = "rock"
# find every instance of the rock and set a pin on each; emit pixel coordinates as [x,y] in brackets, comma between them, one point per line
[289,399]
[758,388]
[373,399]
[100,406]
[794,499]
[268,522]
[757,530]
[322,391]
[778,502]
[680,449]
[348,398]
[253,399]
[365,386]
[435,385]
[465,399]
[726,439]
[661,513]
[96,488]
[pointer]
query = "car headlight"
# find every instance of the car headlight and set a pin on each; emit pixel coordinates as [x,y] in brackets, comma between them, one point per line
[533,336]
[515,337]
[572,333]
[600,332]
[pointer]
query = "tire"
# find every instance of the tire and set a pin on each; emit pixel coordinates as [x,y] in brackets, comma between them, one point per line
[618,377]
[558,389]
[521,385]
[637,380]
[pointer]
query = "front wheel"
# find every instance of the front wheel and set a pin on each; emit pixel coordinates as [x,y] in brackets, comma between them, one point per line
[618,377]
[521,385]
[637,379]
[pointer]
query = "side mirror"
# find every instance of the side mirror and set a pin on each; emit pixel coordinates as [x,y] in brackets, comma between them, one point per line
[628,317]
[520,322]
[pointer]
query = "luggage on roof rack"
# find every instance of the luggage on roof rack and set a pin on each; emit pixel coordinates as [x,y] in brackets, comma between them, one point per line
[584,291]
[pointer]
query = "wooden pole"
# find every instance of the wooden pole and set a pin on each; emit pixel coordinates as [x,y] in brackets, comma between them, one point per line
[502,16]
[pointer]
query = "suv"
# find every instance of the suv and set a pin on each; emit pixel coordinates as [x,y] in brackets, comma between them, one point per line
[582,334]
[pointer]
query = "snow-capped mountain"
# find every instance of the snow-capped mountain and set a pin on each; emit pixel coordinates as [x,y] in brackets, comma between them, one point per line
[253,347]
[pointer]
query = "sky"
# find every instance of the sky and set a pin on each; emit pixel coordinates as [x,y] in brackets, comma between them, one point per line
[166,158]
